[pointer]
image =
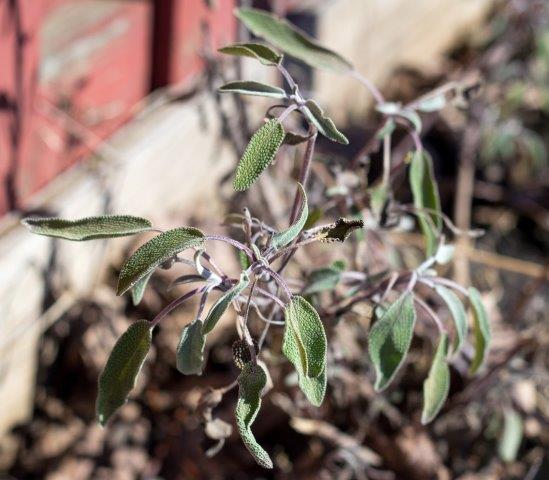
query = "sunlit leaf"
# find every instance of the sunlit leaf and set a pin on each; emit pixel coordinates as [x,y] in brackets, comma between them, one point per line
[389,339]
[251,382]
[155,252]
[138,289]
[291,40]
[304,324]
[457,310]
[282,239]
[325,125]
[432,103]
[437,384]
[445,254]
[90,228]
[253,88]
[425,193]
[263,53]
[120,373]
[481,329]
[223,303]
[259,154]
[190,351]
[511,437]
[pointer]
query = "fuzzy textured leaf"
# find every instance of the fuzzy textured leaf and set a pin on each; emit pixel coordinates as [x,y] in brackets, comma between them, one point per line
[190,351]
[155,252]
[251,382]
[219,308]
[457,310]
[257,89]
[263,53]
[425,193]
[304,324]
[313,388]
[282,239]
[389,339]
[437,383]
[120,373]
[340,230]
[259,154]
[481,329]
[325,125]
[89,228]
[138,289]
[292,40]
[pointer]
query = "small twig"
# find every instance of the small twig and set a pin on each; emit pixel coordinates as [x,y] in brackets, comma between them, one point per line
[174,304]
[441,327]
[230,241]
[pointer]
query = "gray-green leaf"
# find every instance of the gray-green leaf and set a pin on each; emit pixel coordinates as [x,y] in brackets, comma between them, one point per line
[251,382]
[325,125]
[222,304]
[457,310]
[282,239]
[304,324]
[89,228]
[322,279]
[437,383]
[266,55]
[511,438]
[120,373]
[155,252]
[389,339]
[259,154]
[257,89]
[190,351]
[292,40]
[138,289]
[425,193]
[481,329]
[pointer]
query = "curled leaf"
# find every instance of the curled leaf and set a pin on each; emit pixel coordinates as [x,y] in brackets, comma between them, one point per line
[338,231]
[437,384]
[251,382]
[459,315]
[253,88]
[292,40]
[425,193]
[481,329]
[259,154]
[138,289]
[325,125]
[89,228]
[282,239]
[190,351]
[263,53]
[390,338]
[304,324]
[155,252]
[222,304]
[119,375]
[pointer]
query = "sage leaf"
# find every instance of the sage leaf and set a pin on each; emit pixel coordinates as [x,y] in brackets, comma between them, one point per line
[459,315]
[219,308]
[263,53]
[340,230]
[251,382]
[481,329]
[155,252]
[425,193]
[190,350]
[313,388]
[257,89]
[138,289]
[511,437]
[444,254]
[291,40]
[437,383]
[322,279]
[282,239]
[89,228]
[304,324]
[293,139]
[325,125]
[432,103]
[259,154]
[119,375]
[390,338]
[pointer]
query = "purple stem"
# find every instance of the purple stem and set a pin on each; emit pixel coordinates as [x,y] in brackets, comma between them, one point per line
[175,303]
